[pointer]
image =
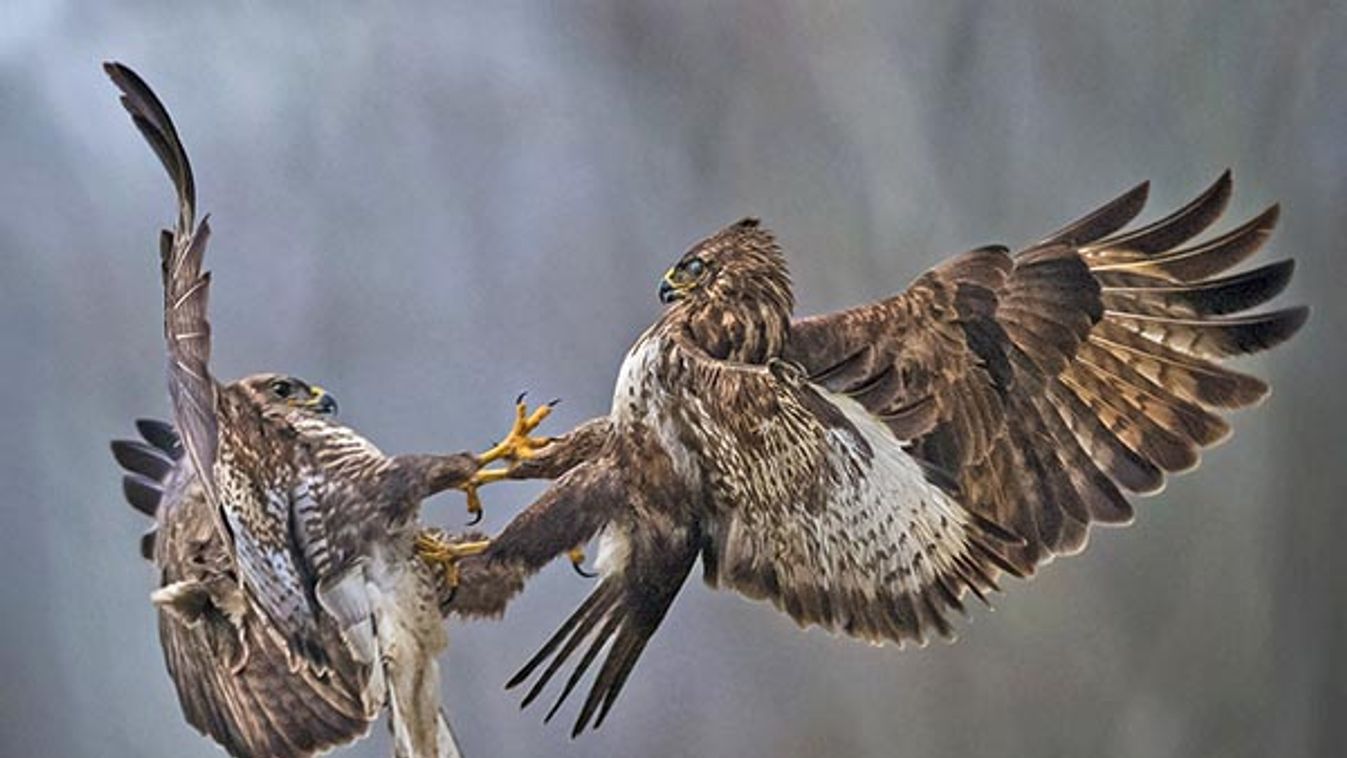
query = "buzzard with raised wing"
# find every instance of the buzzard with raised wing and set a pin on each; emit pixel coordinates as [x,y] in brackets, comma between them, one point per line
[866,470]
[298,594]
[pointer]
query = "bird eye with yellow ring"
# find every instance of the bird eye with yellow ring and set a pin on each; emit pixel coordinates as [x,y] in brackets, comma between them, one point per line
[695,267]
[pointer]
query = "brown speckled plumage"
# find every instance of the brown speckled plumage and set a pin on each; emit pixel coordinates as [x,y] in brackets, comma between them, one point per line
[292,605]
[865,470]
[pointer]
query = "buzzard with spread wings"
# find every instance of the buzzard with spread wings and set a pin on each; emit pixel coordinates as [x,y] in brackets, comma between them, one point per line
[298,594]
[867,470]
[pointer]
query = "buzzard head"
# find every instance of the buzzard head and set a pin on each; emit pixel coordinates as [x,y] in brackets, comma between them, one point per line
[285,394]
[732,293]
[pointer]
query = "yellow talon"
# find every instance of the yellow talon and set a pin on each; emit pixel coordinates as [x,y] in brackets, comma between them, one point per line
[436,550]
[577,556]
[483,476]
[517,446]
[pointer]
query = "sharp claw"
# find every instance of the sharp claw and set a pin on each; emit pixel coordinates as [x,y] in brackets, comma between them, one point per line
[474,504]
[520,399]
[577,556]
[554,402]
[435,549]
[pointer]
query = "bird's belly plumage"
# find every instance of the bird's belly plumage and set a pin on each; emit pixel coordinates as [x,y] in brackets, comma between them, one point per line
[405,596]
[404,607]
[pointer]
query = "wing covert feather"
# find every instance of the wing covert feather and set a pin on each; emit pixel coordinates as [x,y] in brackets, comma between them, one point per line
[1104,344]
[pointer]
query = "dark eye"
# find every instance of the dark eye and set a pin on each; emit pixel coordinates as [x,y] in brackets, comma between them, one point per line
[281,389]
[695,267]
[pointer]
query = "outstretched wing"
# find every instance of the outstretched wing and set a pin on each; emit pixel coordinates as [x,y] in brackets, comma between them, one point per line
[1046,383]
[231,674]
[644,559]
[622,613]
[186,285]
[908,452]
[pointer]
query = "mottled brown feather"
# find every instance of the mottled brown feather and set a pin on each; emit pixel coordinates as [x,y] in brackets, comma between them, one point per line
[233,679]
[186,284]
[1031,389]
[1115,338]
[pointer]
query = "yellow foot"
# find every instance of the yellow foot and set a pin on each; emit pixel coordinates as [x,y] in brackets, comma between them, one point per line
[433,547]
[483,476]
[517,446]
[577,556]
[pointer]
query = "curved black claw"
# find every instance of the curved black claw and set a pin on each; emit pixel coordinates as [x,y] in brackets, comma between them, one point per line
[521,397]
[476,519]
[453,593]
[577,556]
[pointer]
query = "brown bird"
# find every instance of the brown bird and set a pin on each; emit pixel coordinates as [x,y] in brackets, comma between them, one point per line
[234,678]
[298,593]
[866,470]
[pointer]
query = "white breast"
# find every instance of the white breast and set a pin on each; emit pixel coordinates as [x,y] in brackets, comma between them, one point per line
[641,398]
[635,381]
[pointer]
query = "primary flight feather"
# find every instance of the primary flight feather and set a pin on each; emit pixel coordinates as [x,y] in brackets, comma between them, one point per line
[298,593]
[867,470]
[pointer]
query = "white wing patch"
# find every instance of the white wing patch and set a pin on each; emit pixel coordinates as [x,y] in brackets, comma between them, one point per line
[893,498]
[879,555]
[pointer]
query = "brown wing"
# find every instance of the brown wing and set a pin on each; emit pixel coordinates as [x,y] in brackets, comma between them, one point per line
[232,676]
[1048,382]
[568,514]
[621,614]
[186,285]
[645,559]
[561,454]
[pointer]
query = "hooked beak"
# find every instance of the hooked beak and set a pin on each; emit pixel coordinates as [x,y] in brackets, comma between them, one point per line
[668,291]
[321,402]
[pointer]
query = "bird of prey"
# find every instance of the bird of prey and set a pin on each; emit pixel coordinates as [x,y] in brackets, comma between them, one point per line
[234,679]
[866,470]
[298,594]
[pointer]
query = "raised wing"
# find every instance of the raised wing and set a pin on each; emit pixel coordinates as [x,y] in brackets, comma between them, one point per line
[231,673]
[186,285]
[1047,383]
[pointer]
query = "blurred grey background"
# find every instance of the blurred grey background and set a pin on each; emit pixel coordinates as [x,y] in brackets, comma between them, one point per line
[429,208]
